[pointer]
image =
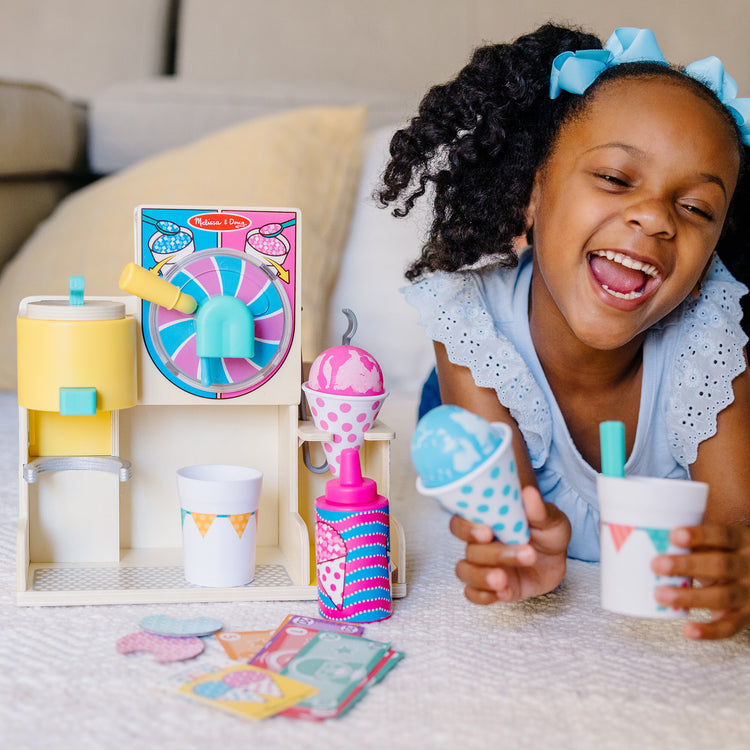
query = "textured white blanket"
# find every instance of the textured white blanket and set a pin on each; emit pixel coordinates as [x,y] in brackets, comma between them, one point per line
[556,672]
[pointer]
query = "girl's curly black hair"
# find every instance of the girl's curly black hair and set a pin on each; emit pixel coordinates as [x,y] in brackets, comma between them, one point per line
[478,141]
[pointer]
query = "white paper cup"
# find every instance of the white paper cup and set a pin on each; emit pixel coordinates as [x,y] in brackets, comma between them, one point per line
[219,523]
[347,418]
[637,514]
[490,494]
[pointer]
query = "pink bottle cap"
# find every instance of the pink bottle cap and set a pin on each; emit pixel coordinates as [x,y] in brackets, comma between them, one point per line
[351,488]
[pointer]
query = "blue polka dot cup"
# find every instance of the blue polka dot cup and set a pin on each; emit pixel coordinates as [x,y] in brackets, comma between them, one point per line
[489,494]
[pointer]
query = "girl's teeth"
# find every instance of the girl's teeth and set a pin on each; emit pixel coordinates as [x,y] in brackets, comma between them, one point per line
[624,260]
[620,295]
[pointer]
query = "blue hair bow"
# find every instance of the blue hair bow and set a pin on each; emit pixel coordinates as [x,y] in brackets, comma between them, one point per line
[710,72]
[576,71]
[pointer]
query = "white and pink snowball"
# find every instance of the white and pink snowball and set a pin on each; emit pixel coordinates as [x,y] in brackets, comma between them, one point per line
[347,371]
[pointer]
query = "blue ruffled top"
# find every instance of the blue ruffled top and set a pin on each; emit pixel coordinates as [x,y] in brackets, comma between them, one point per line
[689,362]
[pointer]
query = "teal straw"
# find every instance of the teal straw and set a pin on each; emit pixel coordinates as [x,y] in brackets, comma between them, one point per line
[75,290]
[612,443]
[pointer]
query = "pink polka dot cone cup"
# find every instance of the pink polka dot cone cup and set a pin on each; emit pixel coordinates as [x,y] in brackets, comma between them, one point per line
[347,418]
[467,464]
[344,393]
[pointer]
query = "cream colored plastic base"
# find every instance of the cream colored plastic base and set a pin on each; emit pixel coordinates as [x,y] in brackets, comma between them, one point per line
[47,576]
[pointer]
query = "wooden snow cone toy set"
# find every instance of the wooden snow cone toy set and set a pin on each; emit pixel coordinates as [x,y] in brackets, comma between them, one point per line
[136,412]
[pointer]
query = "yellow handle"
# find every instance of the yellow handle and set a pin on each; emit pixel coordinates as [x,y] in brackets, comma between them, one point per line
[149,286]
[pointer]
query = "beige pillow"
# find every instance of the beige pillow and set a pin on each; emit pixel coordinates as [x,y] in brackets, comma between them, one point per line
[307,159]
[41,143]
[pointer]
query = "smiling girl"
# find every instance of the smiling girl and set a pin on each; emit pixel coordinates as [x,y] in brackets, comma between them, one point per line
[627,179]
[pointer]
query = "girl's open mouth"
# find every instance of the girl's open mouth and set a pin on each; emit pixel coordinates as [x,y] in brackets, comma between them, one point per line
[621,276]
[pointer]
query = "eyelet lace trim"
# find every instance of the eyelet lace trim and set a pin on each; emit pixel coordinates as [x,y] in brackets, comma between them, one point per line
[709,357]
[454,313]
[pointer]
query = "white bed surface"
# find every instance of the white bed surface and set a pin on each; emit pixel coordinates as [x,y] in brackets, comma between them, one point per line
[553,672]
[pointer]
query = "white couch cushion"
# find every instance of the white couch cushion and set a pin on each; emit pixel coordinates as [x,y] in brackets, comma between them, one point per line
[133,120]
[83,46]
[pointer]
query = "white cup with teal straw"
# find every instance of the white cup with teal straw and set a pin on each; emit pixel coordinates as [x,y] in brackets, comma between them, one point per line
[637,515]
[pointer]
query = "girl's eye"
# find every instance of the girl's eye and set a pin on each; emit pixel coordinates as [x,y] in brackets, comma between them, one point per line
[612,179]
[703,213]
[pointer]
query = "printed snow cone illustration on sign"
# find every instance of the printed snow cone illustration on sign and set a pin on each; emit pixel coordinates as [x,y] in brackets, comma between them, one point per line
[270,245]
[352,546]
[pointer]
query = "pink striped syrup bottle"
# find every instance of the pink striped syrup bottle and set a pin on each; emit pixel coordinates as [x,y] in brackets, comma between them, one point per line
[352,546]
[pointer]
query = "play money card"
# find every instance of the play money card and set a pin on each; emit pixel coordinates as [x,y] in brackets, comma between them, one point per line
[293,635]
[379,671]
[245,644]
[336,664]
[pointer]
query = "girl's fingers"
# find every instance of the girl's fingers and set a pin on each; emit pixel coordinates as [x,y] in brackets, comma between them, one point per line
[717,535]
[501,585]
[481,579]
[732,596]
[706,565]
[496,554]
[535,507]
[724,626]
[477,596]
[467,531]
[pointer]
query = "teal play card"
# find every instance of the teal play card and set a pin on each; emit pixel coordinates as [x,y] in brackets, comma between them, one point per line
[336,664]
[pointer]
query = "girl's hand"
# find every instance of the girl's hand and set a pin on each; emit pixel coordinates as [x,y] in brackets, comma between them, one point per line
[496,572]
[719,558]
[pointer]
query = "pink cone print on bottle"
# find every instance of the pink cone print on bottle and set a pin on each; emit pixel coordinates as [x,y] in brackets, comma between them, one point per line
[352,547]
[331,562]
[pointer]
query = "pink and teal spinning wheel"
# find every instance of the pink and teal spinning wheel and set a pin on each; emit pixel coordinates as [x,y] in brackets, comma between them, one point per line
[171,335]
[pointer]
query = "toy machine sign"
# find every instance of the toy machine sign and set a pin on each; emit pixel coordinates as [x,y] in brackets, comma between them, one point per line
[239,267]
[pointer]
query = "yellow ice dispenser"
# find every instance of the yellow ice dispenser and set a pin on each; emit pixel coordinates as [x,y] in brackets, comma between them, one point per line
[76,355]
[76,370]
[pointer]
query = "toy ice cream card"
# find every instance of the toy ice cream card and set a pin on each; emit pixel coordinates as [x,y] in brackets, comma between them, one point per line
[247,691]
